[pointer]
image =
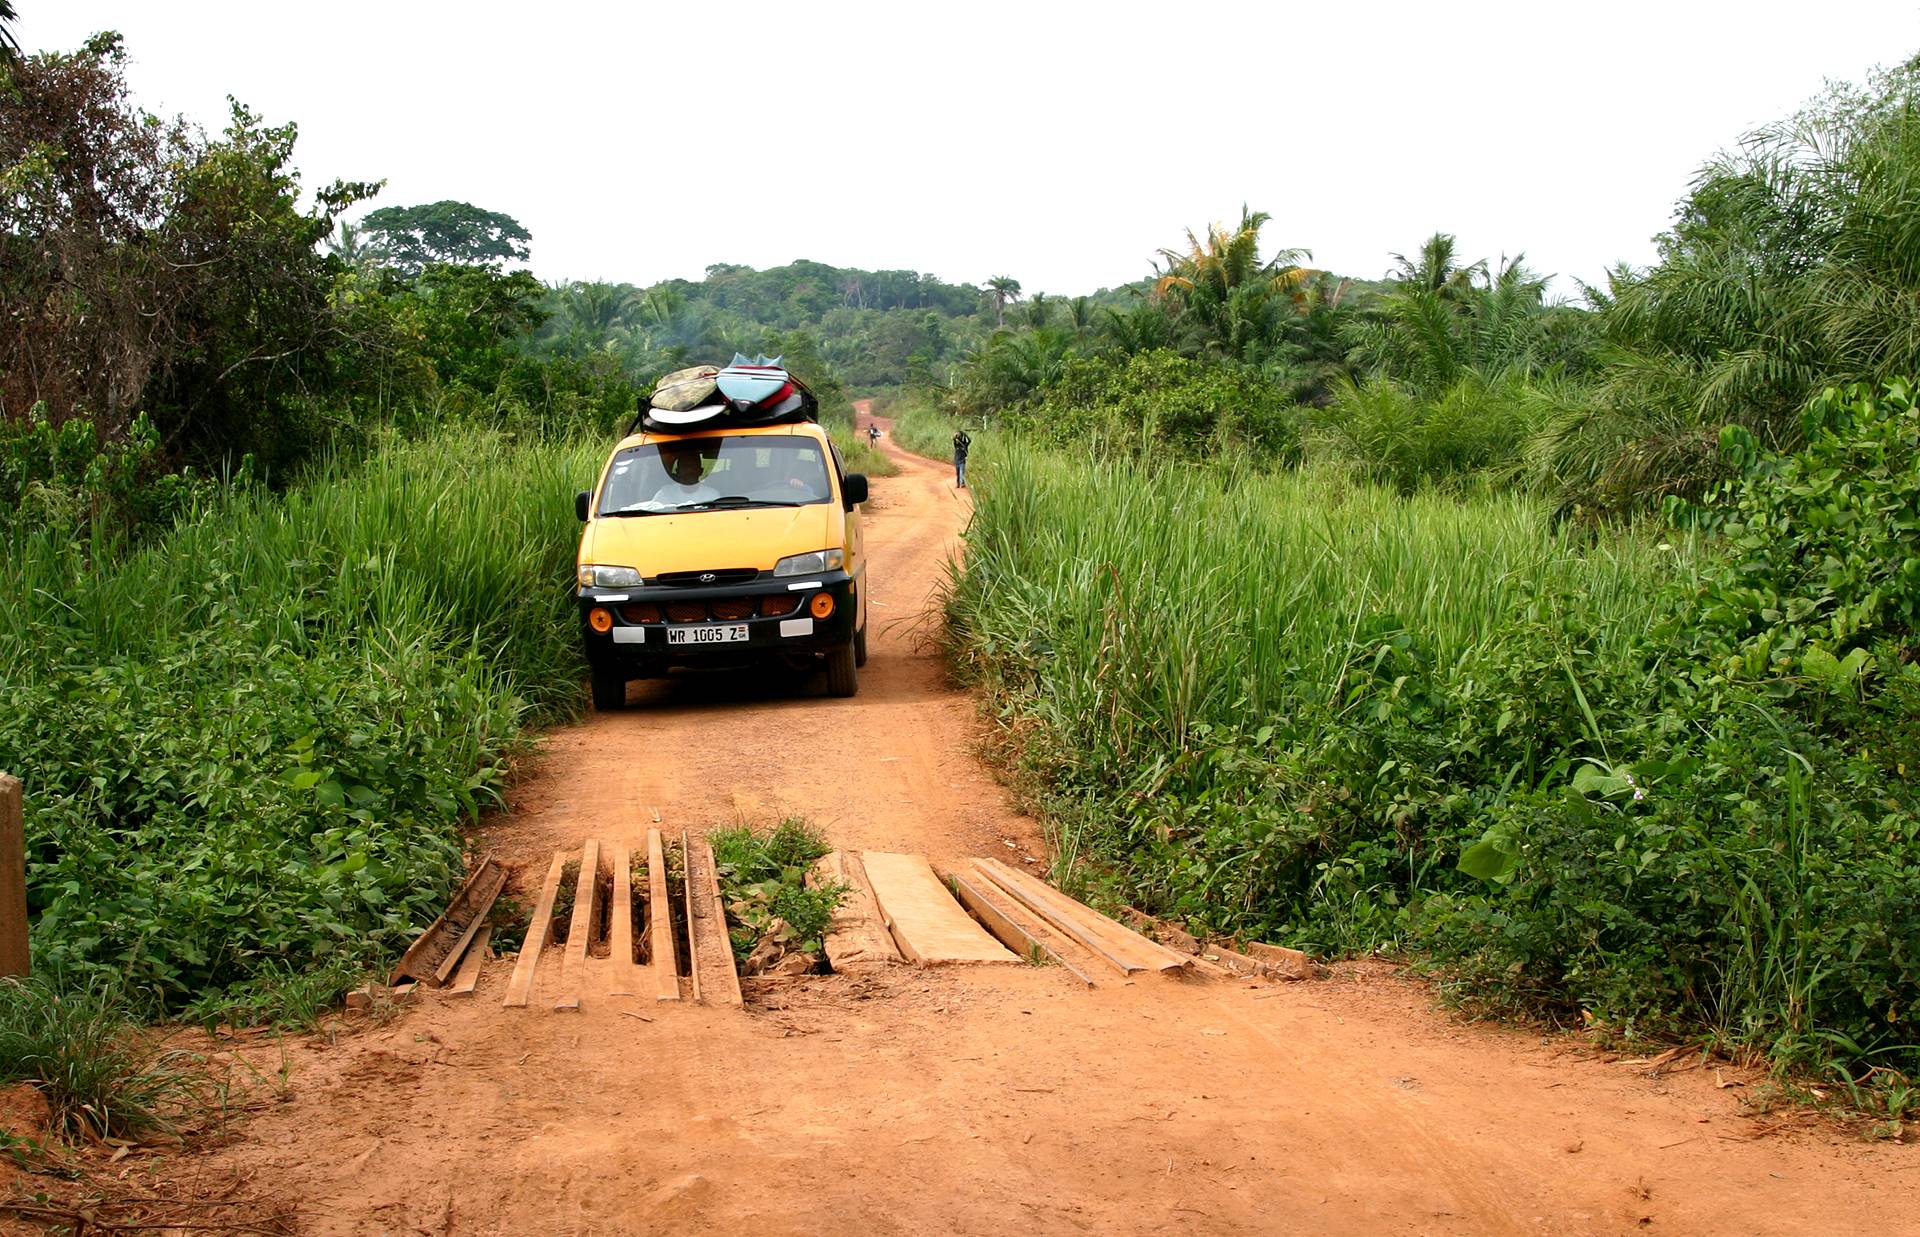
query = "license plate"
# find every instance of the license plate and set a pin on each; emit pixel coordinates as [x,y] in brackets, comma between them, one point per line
[733,633]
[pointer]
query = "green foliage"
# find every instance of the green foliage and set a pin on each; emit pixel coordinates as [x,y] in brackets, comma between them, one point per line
[1159,402]
[763,879]
[410,239]
[1228,302]
[61,477]
[248,744]
[1441,323]
[1476,425]
[145,266]
[1822,561]
[1607,777]
[870,327]
[102,1076]
[1793,266]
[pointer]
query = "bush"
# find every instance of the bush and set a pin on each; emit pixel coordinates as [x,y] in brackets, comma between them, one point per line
[1151,403]
[763,879]
[248,745]
[1404,439]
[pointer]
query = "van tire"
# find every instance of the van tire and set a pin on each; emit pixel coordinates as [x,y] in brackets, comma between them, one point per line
[860,647]
[609,692]
[843,675]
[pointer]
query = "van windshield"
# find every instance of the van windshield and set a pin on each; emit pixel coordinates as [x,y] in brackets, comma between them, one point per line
[700,474]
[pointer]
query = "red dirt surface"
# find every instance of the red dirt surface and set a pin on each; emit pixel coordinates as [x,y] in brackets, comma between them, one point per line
[987,1100]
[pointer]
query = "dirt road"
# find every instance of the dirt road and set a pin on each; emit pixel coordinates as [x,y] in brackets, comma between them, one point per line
[991,1100]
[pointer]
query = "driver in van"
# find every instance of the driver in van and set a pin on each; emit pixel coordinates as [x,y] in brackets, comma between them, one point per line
[683,487]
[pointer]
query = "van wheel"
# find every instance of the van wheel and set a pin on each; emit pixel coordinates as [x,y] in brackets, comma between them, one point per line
[860,647]
[843,676]
[609,692]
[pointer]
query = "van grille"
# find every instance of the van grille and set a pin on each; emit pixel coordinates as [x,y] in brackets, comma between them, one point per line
[694,579]
[724,609]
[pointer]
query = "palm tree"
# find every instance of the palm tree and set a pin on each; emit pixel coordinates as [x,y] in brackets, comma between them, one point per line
[1227,296]
[1039,310]
[1435,270]
[1005,290]
[1080,313]
[346,244]
[9,42]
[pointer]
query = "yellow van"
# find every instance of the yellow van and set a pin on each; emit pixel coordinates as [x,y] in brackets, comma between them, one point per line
[719,547]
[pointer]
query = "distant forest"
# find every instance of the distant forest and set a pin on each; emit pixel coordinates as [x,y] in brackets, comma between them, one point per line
[875,328]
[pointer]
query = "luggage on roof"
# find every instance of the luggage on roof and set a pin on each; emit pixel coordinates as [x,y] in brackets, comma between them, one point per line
[747,392]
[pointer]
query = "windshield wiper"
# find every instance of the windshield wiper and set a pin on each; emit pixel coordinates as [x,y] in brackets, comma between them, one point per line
[741,500]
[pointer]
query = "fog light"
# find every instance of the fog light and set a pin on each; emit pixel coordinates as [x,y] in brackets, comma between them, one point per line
[821,605]
[600,619]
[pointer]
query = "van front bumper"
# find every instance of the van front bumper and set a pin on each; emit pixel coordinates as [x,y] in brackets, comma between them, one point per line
[652,628]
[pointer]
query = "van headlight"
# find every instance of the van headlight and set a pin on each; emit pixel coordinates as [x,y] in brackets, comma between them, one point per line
[595,576]
[807,564]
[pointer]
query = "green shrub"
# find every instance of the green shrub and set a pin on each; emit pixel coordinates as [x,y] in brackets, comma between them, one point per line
[1155,403]
[1586,774]
[763,879]
[248,744]
[1404,439]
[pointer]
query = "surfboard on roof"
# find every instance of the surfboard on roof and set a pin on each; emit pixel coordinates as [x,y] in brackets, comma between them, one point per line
[757,391]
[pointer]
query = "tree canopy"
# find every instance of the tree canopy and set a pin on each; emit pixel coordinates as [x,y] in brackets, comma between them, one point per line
[411,238]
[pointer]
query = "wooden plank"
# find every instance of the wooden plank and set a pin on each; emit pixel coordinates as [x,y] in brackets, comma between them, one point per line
[573,966]
[666,968]
[476,960]
[536,938]
[716,924]
[927,923]
[1011,934]
[1120,939]
[477,905]
[856,938]
[686,890]
[1282,961]
[14,958]
[1063,922]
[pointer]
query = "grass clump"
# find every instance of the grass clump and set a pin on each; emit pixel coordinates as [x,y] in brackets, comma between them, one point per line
[763,883]
[102,1076]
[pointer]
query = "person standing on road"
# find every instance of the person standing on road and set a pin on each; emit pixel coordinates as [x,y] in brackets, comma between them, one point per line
[960,444]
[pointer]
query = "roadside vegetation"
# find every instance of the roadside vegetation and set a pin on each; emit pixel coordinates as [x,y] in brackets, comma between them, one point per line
[250,739]
[1568,650]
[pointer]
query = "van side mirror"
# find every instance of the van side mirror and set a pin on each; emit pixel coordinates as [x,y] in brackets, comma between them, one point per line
[853,489]
[580,502]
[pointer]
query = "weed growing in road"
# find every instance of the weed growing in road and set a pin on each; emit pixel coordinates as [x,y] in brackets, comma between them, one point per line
[763,883]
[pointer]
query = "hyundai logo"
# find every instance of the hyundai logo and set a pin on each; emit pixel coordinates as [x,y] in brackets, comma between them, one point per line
[707,577]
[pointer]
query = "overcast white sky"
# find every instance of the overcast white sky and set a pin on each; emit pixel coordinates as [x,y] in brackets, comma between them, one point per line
[1061,144]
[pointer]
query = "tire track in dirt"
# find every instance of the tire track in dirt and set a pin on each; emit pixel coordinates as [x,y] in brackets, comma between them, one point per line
[988,1100]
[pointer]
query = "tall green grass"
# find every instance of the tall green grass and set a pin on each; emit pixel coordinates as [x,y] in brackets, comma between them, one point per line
[247,744]
[1307,708]
[1152,602]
